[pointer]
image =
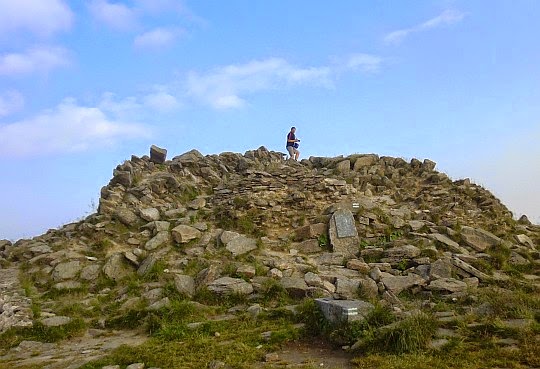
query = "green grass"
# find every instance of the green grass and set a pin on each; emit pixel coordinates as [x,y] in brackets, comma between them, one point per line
[41,333]
[173,345]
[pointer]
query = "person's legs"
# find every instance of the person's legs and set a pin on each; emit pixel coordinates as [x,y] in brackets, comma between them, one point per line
[291,151]
[296,154]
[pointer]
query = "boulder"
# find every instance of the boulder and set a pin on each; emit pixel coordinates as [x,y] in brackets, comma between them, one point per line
[343,234]
[401,252]
[313,280]
[447,285]
[343,167]
[197,204]
[66,270]
[185,233]
[228,286]
[479,239]
[308,247]
[147,265]
[294,286]
[241,245]
[310,231]
[55,321]
[525,240]
[116,267]
[440,268]
[246,271]
[149,214]
[356,264]
[184,284]
[157,154]
[451,245]
[127,217]
[346,288]
[90,272]
[160,239]
[396,284]
[365,161]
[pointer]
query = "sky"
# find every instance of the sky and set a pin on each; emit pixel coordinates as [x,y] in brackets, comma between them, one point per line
[86,84]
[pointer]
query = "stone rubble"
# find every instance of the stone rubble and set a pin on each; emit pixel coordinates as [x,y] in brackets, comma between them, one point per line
[344,228]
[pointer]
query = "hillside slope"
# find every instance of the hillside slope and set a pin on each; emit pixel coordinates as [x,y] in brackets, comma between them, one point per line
[227,250]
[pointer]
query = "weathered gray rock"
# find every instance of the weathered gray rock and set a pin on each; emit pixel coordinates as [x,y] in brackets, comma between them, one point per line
[368,288]
[343,234]
[160,239]
[228,236]
[246,271]
[66,270]
[185,233]
[308,247]
[311,231]
[241,245]
[470,269]
[313,280]
[356,264]
[55,321]
[396,284]
[67,285]
[157,154]
[447,285]
[479,239]
[296,287]
[196,204]
[184,284]
[395,254]
[116,267]
[149,214]
[441,268]
[90,272]
[346,288]
[122,177]
[127,217]
[331,258]
[365,161]
[228,285]
[525,240]
[452,245]
[147,265]
[136,366]
[160,304]
[416,224]
[517,259]
[206,276]
[343,167]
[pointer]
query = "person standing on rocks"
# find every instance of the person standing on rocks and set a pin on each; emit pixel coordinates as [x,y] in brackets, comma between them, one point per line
[292,144]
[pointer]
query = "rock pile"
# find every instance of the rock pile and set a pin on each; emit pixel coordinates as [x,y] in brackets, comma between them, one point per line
[361,226]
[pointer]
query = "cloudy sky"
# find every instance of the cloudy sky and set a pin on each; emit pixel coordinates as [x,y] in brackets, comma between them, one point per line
[85,84]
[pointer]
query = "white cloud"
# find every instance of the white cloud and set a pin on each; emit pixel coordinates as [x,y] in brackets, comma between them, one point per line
[157,38]
[222,87]
[225,87]
[447,17]
[37,59]
[114,15]
[42,18]
[161,101]
[10,102]
[364,62]
[67,128]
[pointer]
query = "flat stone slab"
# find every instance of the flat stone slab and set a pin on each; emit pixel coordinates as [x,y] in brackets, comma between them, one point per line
[345,224]
[343,310]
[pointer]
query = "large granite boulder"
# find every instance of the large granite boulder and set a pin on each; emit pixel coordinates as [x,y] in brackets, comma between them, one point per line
[157,154]
[185,233]
[479,239]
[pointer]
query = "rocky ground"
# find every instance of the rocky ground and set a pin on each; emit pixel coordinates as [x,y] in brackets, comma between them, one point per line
[219,249]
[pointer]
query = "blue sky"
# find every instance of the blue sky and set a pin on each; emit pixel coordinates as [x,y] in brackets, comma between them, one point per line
[85,84]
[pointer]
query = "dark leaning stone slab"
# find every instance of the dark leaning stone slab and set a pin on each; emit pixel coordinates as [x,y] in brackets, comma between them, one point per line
[345,224]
